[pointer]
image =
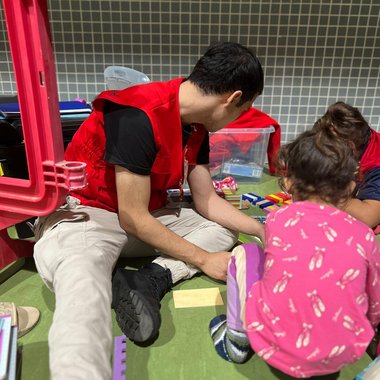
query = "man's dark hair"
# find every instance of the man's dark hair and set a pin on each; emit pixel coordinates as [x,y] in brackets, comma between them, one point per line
[228,67]
[318,165]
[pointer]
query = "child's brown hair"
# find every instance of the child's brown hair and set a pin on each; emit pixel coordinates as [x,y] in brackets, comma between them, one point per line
[318,165]
[346,122]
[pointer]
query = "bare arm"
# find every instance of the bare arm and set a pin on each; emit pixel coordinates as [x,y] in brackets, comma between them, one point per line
[215,208]
[368,210]
[133,199]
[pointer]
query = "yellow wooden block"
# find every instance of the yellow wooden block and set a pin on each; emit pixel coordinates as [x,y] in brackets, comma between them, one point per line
[197,297]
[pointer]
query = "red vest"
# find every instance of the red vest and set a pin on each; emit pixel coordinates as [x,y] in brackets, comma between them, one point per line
[159,100]
[371,159]
[371,156]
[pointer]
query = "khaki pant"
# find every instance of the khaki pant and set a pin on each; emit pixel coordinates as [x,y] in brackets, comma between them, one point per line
[75,252]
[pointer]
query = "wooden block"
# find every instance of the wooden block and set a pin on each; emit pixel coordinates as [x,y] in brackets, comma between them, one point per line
[264,203]
[274,198]
[270,208]
[197,298]
[253,198]
[283,195]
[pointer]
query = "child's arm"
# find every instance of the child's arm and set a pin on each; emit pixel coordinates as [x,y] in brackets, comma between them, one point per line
[366,205]
[367,210]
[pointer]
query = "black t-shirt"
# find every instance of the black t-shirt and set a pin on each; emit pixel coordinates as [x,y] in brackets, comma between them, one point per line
[130,141]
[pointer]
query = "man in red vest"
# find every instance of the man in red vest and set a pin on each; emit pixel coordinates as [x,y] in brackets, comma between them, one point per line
[348,123]
[138,143]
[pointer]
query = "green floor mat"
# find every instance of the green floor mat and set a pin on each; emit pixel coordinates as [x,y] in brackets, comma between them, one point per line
[183,351]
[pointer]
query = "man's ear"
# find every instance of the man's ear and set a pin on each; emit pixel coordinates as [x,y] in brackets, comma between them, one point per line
[234,97]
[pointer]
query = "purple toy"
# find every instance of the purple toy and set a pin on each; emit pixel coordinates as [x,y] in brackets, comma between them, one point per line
[119,358]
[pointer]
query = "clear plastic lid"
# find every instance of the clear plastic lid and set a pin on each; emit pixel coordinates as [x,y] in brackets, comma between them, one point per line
[118,77]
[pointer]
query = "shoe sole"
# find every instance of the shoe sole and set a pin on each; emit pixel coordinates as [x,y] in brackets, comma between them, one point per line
[137,321]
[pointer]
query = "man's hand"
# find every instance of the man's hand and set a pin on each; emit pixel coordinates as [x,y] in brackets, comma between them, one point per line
[216,265]
[213,207]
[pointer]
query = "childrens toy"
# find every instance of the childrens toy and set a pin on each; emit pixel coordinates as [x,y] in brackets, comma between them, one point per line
[260,218]
[119,358]
[229,184]
[268,203]
[233,199]
[251,198]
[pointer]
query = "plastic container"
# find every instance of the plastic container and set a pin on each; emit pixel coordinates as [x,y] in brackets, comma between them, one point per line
[240,153]
[118,77]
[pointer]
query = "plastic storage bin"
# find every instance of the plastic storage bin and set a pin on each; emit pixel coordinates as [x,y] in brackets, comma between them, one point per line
[118,77]
[240,153]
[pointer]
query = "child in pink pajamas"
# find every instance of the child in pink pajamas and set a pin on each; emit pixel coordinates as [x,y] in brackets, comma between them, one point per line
[309,303]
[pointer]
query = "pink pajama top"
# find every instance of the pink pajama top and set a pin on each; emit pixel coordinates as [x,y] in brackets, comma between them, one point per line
[315,309]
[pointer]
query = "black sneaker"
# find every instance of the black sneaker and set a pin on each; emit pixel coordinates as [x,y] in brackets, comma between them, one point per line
[136,297]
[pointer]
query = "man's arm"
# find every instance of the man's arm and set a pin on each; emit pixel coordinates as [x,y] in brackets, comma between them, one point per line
[134,217]
[213,207]
[367,210]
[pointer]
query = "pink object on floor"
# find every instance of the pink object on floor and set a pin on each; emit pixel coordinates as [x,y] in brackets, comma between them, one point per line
[226,183]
